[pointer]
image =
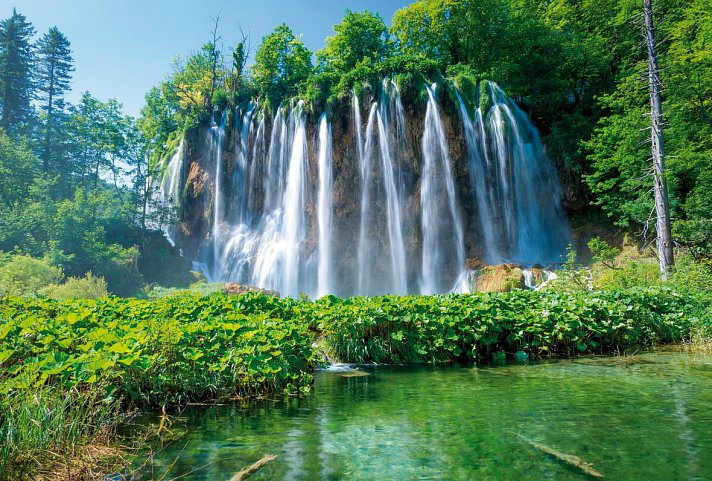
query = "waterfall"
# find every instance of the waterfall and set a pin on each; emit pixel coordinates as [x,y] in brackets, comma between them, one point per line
[257,165]
[324,209]
[380,209]
[364,240]
[242,167]
[294,204]
[443,239]
[168,191]
[515,186]
[395,235]
[217,140]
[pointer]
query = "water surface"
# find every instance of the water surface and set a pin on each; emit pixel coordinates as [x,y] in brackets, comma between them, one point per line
[647,417]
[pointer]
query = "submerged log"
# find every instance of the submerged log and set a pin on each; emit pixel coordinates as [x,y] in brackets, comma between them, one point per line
[245,473]
[354,374]
[570,459]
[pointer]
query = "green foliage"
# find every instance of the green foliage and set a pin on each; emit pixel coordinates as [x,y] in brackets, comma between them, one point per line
[184,347]
[80,231]
[16,59]
[22,275]
[54,67]
[359,36]
[170,350]
[417,329]
[200,288]
[572,276]
[632,273]
[485,97]
[282,65]
[602,252]
[87,287]
[619,149]
[50,421]
[18,168]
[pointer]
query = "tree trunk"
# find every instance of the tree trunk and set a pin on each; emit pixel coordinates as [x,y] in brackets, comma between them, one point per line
[662,208]
[48,133]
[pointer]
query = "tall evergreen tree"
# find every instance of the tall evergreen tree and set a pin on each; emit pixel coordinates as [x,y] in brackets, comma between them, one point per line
[15,67]
[54,67]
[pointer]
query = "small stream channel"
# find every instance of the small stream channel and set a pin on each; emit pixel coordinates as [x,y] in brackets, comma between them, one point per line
[643,417]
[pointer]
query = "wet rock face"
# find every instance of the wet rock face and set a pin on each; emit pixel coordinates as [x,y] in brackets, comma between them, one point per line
[194,212]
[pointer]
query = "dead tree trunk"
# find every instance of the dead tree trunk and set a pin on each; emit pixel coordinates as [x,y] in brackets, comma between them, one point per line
[662,208]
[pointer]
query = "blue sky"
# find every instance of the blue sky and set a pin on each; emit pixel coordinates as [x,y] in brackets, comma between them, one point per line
[123,47]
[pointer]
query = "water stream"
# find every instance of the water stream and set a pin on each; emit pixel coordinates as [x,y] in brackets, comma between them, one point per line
[633,418]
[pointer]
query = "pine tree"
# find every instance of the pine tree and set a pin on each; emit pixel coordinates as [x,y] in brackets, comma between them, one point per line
[54,66]
[15,66]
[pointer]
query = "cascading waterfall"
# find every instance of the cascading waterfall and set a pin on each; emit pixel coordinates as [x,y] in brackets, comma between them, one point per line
[381,266]
[217,140]
[517,194]
[395,235]
[242,170]
[295,200]
[443,238]
[381,211]
[167,191]
[364,244]
[324,209]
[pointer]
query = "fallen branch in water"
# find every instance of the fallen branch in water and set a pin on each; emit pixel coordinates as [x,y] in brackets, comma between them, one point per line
[569,459]
[250,470]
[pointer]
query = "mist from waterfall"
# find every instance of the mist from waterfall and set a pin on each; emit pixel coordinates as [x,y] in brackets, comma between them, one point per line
[385,215]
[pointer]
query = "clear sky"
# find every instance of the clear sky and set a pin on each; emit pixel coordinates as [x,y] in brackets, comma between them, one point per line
[122,48]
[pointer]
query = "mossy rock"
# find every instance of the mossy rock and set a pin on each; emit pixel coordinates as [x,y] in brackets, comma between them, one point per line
[485,101]
[500,278]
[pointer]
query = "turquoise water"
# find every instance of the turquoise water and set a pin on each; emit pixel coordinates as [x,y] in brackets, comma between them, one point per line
[647,417]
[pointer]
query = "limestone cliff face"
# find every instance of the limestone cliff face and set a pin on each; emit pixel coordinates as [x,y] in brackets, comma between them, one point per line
[199,171]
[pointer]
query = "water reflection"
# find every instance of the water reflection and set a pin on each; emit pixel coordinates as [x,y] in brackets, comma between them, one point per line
[643,417]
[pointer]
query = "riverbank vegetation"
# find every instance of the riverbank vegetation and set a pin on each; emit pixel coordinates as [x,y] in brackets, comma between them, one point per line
[73,367]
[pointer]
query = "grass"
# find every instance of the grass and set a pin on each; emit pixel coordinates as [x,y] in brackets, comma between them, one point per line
[50,433]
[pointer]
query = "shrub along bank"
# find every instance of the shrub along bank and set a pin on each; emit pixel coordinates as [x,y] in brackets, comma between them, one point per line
[182,348]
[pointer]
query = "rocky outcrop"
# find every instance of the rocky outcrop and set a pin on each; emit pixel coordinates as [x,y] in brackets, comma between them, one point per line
[236,289]
[500,278]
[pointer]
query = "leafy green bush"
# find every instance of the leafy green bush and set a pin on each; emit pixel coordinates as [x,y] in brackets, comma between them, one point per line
[152,352]
[469,327]
[22,275]
[87,287]
[186,347]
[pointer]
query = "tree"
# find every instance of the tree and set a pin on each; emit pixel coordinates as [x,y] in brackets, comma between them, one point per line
[282,65]
[18,168]
[662,206]
[54,67]
[360,35]
[15,66]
